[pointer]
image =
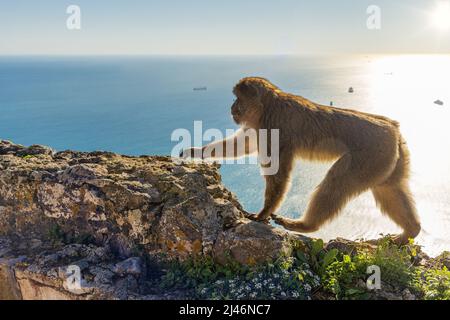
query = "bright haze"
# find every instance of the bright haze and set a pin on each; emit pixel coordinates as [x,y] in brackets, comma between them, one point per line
[225,27]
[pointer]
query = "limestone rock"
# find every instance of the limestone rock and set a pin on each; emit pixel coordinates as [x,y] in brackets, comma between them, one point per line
[251,243]
[103,214]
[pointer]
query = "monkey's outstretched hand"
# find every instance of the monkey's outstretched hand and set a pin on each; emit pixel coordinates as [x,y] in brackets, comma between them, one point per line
[194,153]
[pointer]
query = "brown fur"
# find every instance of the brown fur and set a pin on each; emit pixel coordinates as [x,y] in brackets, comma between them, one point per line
[368,150]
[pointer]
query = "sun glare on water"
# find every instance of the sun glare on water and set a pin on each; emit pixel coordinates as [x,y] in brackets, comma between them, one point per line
[414,90]
[409,88]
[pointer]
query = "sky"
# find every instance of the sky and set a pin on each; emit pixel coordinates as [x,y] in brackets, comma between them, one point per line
[219,27]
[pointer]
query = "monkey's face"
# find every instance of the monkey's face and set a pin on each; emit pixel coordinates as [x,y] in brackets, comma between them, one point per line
[238,111]
[247,108]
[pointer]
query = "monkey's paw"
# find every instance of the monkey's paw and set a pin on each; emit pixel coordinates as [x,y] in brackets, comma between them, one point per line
[399,239]
[194,153]
[278,219]
[256,217]
[249,215]
[283,221]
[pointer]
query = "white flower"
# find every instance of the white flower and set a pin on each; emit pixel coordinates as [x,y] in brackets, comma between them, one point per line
[283,294]
[307,287]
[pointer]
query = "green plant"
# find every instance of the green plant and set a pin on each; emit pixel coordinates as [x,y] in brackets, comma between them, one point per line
[286,278]
[396,263]
[340,278]
[312,268]
[320,258]
[435,283]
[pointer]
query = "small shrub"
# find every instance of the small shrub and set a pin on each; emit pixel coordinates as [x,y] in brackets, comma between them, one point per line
[435,283]
[341,276]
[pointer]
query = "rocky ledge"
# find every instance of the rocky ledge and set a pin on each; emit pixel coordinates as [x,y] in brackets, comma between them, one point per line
[107,212]
[113,219]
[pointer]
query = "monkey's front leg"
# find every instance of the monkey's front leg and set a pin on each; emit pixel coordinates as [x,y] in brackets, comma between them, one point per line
[276,187]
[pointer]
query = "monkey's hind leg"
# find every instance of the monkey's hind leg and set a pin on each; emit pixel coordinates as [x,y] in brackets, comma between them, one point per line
[394,198]
[396,201]
[339,186]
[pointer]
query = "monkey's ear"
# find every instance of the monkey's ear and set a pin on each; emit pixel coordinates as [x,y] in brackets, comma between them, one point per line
[247,90]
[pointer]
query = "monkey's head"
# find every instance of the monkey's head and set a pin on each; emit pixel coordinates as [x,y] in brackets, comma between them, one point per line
[250,93]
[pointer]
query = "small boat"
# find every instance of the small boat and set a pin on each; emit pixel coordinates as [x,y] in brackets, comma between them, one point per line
[439,102]
[200,89]
[350,90]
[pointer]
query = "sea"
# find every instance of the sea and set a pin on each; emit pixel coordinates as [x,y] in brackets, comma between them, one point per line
[132,105]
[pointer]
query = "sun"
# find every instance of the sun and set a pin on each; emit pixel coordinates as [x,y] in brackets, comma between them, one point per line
[440,17]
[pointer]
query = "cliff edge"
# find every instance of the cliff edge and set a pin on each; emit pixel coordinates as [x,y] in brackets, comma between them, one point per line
[107,221]
[100,206]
